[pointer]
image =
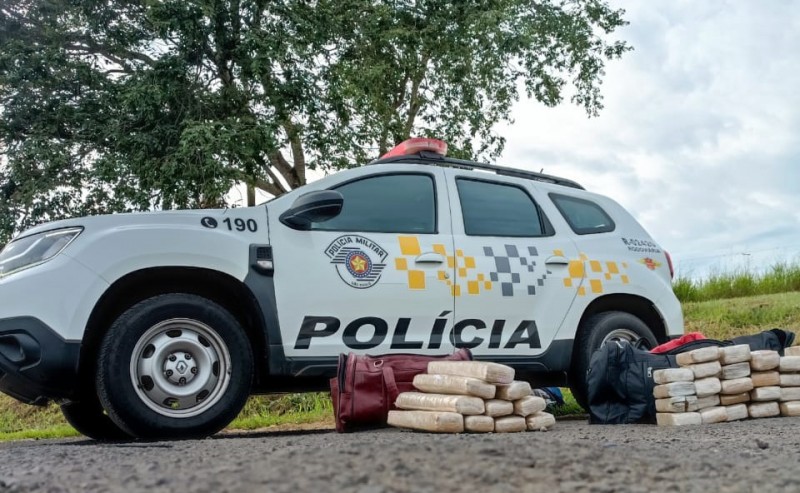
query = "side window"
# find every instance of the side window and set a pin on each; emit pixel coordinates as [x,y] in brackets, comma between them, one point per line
[496,209]
[402,203]
[583,216]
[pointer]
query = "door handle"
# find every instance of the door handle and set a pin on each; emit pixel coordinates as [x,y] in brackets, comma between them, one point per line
[430,258]
[557,260]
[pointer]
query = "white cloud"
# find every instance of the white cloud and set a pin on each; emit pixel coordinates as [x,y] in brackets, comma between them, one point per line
[699,137]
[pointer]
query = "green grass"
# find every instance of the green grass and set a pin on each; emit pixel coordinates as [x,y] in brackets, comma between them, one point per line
[727,318]
[21,421]
[781,277]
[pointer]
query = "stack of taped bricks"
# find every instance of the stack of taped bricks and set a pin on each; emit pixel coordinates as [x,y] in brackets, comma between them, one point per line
[718,384]
[473,396]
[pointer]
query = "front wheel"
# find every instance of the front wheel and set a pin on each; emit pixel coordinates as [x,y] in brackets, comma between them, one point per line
[174,366]
[593,333]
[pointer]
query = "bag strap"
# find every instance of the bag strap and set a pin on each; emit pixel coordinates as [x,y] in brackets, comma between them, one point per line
[391,385]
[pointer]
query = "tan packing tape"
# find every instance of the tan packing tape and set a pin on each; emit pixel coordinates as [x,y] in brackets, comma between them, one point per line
[673,389]
[765,378]
[764,360]
[790,380]
[678,404]
[737,412]
[790,364]
[763,410]
[706,370]
[790,394]
[707,386]
[701,355]
[540,421]
[714,415]
[790,408]
[736,370]
[419,401]
[513,391]
[729,400]
[529,405]
[496,407]
[737,386]
[434,421]
[763,394]
[479,424]
[510,424]
[483,370]
[705,402]
[669,375]
[451,384]
[734,354]
[678,419]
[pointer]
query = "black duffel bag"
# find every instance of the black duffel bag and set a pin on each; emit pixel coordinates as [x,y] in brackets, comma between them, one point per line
[620,376]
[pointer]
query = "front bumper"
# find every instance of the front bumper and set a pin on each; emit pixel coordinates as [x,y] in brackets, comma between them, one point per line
[36,364]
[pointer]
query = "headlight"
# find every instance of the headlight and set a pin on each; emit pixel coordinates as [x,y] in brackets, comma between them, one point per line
[35,249]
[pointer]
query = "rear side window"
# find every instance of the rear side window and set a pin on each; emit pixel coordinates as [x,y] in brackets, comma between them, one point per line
[583,216]
[496,209]
[402,203]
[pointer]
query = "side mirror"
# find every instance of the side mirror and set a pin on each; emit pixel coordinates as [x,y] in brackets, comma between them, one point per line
[313,207]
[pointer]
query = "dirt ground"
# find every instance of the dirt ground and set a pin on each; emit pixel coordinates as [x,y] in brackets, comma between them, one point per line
[750,456]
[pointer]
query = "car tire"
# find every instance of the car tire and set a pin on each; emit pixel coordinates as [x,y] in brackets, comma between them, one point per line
[596,331]
[174,366]
[87,416]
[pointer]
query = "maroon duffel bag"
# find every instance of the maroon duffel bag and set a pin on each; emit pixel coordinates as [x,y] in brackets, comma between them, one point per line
[365,387]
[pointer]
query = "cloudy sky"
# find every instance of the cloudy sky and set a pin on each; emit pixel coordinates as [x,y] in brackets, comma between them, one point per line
[700,135]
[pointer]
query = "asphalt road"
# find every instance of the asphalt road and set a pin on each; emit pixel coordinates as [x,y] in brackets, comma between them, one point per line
[758,455]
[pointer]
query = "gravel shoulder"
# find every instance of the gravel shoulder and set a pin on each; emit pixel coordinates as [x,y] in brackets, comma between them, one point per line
[757,455]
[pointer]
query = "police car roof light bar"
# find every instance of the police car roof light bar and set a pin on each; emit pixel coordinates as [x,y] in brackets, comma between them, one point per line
[417,144]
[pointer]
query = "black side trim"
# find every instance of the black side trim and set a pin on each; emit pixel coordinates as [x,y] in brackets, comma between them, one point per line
[36,364]
[262,285]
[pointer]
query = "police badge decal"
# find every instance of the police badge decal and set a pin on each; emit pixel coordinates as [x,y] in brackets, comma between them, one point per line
[358,260]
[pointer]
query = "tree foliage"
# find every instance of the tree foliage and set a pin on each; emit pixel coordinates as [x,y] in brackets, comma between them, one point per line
[135,105]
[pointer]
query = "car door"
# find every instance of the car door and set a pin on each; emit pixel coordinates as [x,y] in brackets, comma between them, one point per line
[370,279]
[511,293]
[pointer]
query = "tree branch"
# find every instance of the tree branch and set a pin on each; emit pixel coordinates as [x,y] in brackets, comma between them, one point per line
[415,101]
[297,152]
[280,189]
[268,187]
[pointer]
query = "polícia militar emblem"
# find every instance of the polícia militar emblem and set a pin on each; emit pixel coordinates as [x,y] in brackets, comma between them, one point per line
[358,260]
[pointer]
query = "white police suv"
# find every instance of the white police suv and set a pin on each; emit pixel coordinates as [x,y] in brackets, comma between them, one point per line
[162,324]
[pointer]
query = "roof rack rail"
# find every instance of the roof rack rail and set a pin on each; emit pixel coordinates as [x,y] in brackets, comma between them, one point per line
[434,159]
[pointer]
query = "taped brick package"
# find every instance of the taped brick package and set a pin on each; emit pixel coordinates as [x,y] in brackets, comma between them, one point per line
[452,384]
[497,407]
[488,372]
[540,421]
[513,391]
[479,424]
[434,421]
[484,395]
[510,424]
[766,391]
[461,404]
[789,379]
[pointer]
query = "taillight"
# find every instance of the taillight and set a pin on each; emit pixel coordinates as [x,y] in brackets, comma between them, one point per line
[669,262]
[417,144]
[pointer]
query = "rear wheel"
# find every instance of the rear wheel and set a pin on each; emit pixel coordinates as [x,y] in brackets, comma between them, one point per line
[87,416]
[174,366]
[598,330]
